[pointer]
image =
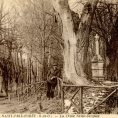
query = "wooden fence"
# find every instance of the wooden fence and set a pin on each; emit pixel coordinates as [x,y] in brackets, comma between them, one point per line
[29,90]
[23,93]
[79,108]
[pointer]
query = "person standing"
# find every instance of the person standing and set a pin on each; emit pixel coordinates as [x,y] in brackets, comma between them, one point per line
[52,76]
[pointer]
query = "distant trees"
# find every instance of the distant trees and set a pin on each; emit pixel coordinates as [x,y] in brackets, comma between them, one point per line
[38,28]
[7,43]
[30,42]
[105,24]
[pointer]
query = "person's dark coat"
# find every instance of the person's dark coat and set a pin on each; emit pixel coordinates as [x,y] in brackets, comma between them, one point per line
[53,73]
[52,81]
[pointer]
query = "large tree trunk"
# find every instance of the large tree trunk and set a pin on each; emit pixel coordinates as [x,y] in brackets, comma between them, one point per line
[70,41]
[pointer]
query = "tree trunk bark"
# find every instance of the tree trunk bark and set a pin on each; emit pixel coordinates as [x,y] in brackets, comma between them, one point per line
[70,41]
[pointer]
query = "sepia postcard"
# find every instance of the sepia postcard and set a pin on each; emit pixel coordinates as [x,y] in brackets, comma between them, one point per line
[58,58]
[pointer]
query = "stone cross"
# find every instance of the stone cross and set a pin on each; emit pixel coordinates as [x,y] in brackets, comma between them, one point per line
[97,44]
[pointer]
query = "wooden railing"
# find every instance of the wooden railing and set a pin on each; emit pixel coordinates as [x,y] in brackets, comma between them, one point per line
[79,108]
[115,90]
[29,90]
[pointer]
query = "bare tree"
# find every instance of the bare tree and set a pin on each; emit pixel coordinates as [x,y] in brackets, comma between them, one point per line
[39,31]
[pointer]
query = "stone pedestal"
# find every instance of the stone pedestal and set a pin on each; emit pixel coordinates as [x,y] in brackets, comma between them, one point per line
[97,68]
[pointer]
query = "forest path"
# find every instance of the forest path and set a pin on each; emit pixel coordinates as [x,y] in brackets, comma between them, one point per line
[32,105]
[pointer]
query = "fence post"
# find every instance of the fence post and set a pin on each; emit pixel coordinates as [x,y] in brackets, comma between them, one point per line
[9,97]
[117,98]
[58,88]
[21,91]
[18,97]
[35,85]
[62,98]
[81,100]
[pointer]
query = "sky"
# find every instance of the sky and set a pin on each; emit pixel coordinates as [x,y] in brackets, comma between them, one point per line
[74,4]
[7,4]
[77,5]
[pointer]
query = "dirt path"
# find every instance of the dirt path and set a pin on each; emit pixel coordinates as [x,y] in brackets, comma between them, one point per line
[30,106]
